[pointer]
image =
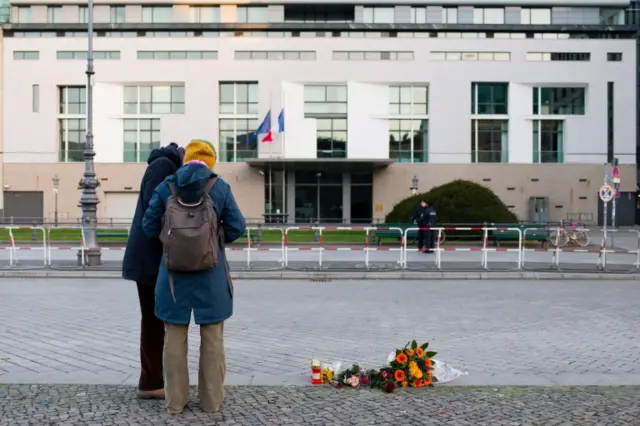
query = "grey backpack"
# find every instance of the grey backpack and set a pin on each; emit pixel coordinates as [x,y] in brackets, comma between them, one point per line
[190,233]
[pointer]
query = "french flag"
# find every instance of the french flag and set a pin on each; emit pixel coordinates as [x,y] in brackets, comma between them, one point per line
[264,131]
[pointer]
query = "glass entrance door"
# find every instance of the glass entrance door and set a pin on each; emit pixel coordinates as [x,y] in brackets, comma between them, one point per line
[318,197]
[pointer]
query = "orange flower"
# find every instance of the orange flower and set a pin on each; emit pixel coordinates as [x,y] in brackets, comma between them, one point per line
[417,383]
[409,352]
[427,382]
[405,384]
[419,352]
[399,375]
[428,363]
[401,358]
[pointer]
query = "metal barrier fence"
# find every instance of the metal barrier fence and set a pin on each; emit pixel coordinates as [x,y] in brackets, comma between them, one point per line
[349,248]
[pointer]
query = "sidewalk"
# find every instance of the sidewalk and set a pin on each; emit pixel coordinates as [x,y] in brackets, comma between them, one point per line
[116,405]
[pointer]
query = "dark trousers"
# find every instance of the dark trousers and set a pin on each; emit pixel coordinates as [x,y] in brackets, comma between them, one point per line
[421,238]
[430,240]
[151,341]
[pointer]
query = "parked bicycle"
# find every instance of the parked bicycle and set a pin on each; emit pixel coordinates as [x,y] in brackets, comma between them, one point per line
[569,234]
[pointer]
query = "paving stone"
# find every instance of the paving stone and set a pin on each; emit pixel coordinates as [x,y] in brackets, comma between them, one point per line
[102,405]
[502,332]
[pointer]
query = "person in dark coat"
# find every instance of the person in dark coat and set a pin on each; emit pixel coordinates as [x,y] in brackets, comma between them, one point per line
[420,217]
[207,294]
[141,261]
[431,222]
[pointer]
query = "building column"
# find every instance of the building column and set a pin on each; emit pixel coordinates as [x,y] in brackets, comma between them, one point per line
[291,195]
[346,197]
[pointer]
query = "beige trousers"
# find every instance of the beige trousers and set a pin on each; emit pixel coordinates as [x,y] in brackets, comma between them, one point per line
[211,372]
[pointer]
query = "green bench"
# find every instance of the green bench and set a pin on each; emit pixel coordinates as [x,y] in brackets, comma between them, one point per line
[394,234]
[112,234]
[538,232]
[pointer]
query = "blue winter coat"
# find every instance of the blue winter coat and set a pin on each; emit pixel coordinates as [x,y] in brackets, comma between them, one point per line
[142,255]
[207,293]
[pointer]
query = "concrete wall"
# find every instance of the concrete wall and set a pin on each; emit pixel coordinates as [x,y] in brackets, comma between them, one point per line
[246,183]
[572,189]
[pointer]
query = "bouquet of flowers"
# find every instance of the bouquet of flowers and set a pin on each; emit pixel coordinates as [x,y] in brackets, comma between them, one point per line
[411,367]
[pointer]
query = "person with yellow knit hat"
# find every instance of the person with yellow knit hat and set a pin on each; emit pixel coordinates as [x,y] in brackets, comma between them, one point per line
[206,293]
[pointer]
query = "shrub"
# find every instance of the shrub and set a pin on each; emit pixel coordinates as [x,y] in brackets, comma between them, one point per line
[459,201]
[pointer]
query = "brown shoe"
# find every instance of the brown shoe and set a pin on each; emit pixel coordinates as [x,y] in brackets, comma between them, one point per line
[151,394]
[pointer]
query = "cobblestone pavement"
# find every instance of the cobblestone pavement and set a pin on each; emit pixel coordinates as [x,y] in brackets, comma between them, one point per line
[502,332]
[116,405]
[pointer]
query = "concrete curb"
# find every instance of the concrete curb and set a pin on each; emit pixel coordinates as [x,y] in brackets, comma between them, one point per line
[349,275]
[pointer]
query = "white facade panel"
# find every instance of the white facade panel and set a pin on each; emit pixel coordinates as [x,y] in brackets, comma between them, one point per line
[520,106]
[33,137]
[120,206]
[367,129]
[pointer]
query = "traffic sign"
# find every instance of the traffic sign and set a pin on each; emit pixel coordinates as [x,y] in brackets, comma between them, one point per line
[615,171]
[616,180]
[606,193]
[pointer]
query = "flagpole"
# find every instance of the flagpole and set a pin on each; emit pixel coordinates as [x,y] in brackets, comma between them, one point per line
[284,168]
[270,167]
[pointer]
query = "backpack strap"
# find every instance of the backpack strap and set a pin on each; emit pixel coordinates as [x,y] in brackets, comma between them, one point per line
[209,185]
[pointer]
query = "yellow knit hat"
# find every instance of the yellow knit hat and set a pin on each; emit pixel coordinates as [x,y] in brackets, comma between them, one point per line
[200,150]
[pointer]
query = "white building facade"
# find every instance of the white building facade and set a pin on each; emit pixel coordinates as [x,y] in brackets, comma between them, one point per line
[529,101]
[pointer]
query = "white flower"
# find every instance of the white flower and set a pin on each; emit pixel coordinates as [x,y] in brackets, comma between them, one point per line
[354,381]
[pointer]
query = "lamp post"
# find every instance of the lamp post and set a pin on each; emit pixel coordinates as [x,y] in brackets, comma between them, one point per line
[414,185]
[55,180]
[89,200]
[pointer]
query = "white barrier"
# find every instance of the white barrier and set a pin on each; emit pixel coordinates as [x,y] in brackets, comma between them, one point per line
[14,249]
[484,249]
[249,248]
[602,259]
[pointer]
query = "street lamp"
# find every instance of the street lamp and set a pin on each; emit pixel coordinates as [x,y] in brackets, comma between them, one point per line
[414,185]
[89,200]
[55,180]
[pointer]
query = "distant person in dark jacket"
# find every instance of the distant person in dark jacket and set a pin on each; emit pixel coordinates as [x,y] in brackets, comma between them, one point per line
[431,223]
[141,261]
[208,293]
[420,217]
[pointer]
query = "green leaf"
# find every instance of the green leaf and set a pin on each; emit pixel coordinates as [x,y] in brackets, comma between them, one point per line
[414,345]
[430,354]
[425,346]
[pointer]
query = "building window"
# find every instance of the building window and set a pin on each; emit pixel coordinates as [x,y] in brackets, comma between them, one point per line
[489,141]
[342,55]
[449,15]
[488,16]
[252,14]
[239,98]
[177,54]
[204,14]
[614,56]
[490,98]
[24,14]
[408,140]
[154,99]
[559,100]
[548,141]
[54,14]
[419,15]
[328,105]
[82,54]
[26,55]
[333,13]
[535,16]
[83,14]
[151,14]
[470,56]
[238,141]
[378,15]
[141,136]
[35,98]
[559,56]
[71,123]
[408,135]
[117,14]
[408,100]
[238,121]
[275,55]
